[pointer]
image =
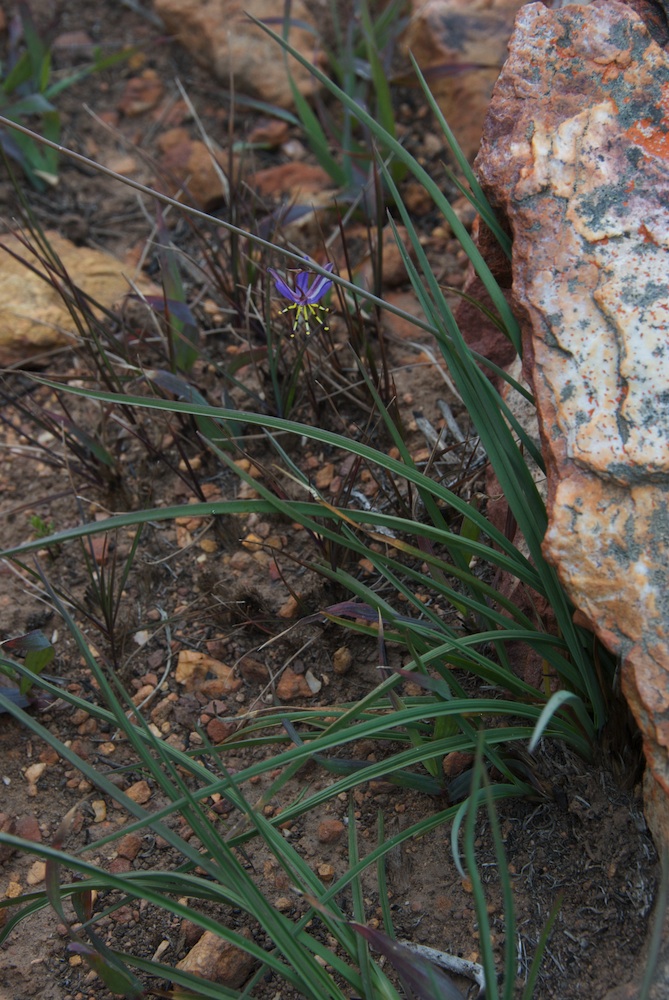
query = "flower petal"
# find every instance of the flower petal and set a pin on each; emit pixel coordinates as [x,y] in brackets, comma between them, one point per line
[281,286]
[320,287]
[302,282]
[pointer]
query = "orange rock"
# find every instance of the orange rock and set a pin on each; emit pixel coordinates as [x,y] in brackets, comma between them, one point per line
[456,763]
[141,93]
[394,270]
[129,846]
[36,873]
[217,730]
[246,492]
[27,828]
[125,165]
[252,542]
[290,180]
[271,132]
[163,709]
[397,325]
[139,792]
[33,316]
[342,660]
[324,476]
[292,686]
[193,668]
[247,466]
[416,199]
[289,609]
[240,561]
[330,831]
[192,166]
[144,692]
[32,774]
[119,866]
[215,959]
[191,933]
[211,491]
[461,34]
[326,871]
[222,39]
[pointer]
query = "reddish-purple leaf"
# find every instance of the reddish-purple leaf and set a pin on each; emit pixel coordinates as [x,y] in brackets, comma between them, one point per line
[426,980]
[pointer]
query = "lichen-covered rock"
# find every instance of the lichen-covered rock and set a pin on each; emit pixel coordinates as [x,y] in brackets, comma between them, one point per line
[576,153]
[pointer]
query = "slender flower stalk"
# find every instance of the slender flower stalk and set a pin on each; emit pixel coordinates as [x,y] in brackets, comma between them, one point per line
[304,297]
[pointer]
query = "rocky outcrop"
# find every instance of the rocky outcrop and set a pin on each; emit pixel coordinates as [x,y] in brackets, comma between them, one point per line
[576,154]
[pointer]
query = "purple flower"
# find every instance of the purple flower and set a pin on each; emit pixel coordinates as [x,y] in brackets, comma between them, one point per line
[305,296]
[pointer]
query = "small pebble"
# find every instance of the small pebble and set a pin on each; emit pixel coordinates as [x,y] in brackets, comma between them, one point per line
[99,807]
